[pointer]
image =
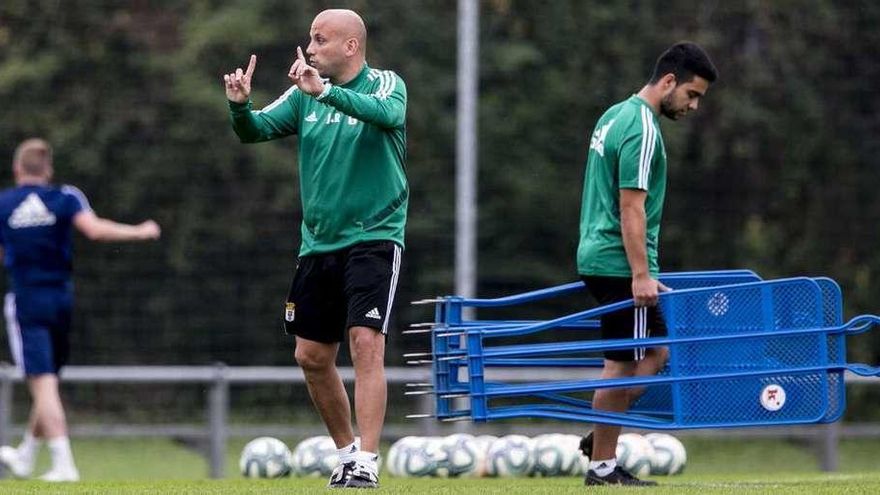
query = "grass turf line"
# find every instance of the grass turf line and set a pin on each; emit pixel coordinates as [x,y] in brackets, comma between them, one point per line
[783,484]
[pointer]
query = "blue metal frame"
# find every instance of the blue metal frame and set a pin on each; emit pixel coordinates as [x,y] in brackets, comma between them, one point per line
[792,329]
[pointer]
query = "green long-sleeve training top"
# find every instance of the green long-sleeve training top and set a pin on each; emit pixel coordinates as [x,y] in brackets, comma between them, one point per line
[352,157]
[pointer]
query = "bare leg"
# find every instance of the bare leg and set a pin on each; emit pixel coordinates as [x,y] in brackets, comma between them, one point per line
[318,362]
[619,400]
[614,399]
[50,422]
[46,421]
[655,359]
[371,391]
[33,425]
[47,414]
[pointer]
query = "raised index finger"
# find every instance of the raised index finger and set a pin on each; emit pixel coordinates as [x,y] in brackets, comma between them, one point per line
[250,68]
[299,54]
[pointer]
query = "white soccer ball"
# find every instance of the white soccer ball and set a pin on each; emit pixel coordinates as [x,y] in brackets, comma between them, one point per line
[572,446]
[315,456]
[555,455]
[459,455]
[483,443]
[582,463]
[634,454]
[669,456]
[413,457]
[511,455]
[265,457]
[391,458]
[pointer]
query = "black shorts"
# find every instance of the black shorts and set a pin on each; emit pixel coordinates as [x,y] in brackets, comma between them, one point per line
[332,292]
[627,323]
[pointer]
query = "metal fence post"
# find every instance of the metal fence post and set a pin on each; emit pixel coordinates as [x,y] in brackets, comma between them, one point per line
[429,425]
[6,372]
[218,413]
[828,444]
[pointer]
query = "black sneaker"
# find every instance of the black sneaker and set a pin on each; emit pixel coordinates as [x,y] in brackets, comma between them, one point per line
[361,477]
[340,475]
[586,445]
[619,476]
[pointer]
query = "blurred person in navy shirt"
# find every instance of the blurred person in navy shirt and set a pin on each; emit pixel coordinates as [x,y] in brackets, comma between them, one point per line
[37,220]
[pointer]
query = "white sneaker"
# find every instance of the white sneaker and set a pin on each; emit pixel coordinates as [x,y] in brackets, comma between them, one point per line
[11,459]
[56,475]
[362,476]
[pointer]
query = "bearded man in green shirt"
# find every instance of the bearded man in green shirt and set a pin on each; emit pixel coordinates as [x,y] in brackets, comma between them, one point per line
[624,190]
[350,120]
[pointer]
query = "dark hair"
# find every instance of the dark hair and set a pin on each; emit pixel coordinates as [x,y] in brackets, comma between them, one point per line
[684,60]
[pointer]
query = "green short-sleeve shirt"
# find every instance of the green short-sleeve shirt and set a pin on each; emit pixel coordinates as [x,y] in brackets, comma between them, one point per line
[626,152]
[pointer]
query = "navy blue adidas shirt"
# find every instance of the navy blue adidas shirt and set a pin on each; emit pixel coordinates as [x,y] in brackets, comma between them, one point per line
[36,224]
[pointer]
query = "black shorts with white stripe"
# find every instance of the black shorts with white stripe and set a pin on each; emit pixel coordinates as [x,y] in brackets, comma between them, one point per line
[630,323]
[332,292]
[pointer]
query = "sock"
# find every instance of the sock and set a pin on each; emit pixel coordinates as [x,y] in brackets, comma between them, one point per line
[368,460]
[347,453]
[62,457]
[28,448]
[603,468]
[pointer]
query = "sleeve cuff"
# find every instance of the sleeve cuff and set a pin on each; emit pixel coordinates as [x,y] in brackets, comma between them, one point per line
[327,88]
[240,107]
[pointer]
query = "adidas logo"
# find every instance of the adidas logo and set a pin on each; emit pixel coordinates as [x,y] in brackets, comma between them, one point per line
[32,212]
[313,117]
[374,314]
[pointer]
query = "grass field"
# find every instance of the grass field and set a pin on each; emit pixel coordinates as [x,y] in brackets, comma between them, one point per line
[159,466]
[782,484]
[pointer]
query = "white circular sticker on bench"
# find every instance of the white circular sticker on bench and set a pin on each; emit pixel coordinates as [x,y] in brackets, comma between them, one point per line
[718,304]
[773,397]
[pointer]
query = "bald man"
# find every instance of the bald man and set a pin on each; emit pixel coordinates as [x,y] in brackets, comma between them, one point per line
[351,123]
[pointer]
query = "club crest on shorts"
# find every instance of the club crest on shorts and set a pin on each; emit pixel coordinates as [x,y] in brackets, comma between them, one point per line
[289,311]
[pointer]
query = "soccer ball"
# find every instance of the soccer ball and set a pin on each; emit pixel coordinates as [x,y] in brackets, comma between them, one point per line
[572,444]
[265,457]
[413,457]
[485,441]
[315,456]
[555,455]
[392,458]
[669,456]
[511,455]
[634,454]
[459,455]
[483,444]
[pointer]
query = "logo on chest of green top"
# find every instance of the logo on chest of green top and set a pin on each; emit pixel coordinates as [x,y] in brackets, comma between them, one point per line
[597,142]
[331,118]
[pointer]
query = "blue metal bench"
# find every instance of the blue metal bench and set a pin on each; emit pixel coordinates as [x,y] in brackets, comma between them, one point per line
[743,352]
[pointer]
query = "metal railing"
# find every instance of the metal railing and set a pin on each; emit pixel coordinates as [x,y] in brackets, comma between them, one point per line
[217,430]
